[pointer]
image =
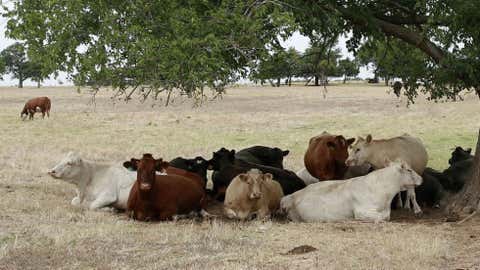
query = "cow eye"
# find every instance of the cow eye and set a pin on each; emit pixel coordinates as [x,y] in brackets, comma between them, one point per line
[357,150]
[69,163]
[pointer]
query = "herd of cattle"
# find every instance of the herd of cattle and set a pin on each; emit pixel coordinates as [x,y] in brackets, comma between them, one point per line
[336,184]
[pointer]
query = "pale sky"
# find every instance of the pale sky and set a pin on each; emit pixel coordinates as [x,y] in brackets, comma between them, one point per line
[299,42]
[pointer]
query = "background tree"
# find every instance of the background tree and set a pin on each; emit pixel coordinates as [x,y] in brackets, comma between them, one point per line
[348,68]
[320,60]
[281,64]
[15,61]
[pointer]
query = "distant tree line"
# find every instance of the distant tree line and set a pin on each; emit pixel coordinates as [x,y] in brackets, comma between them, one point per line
[14,61]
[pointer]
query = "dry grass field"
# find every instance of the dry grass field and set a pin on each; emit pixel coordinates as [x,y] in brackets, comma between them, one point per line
[39,229]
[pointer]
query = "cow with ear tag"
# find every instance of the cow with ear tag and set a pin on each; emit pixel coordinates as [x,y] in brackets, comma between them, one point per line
[375,152]
[326,155]
[160,197]
[252,193]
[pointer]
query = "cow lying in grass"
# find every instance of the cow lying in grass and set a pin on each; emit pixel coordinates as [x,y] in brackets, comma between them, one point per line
[362,198]
[161,197]
[98,185]
[252,193]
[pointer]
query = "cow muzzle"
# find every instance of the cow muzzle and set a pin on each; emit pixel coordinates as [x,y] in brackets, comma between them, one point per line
[145,186]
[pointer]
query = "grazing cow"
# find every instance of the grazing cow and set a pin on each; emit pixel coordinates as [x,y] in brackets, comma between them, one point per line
[397,88]
[352,171]
[41,103]
[326,155]
[196,165]
[98,185]
[227,168]
[263,155]
[460,154]
[160,197]
[405,147]
[363,198]
[252,193]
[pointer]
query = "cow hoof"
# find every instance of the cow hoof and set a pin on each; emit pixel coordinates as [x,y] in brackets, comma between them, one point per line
[419,214]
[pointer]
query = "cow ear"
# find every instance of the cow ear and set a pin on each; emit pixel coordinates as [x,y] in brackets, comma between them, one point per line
[468,150]
[243,177]
[285,153]
[232,152]
[369,138]
[161,165]
[267,176]
[350,141]
[331,145]
[132,164]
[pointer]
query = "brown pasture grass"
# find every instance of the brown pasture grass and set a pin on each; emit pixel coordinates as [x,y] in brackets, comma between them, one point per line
[39,229]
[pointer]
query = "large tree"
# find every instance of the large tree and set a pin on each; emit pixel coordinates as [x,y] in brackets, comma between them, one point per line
[16,62]
[189,45]
[348,68]
[320,60]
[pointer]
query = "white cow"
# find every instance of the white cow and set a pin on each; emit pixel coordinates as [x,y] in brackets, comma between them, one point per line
[363,198]
[98,185]
[378,152]
[352,171]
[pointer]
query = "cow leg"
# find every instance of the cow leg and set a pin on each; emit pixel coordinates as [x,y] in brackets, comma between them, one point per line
[412,197]
[399,201]
[105,199]
[43,114]
[76,201]
[263,213]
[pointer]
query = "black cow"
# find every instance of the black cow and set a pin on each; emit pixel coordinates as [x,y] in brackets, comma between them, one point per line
[397,88]
[227,168]
[196,165]
[460,154]
[457,174]
[263,155]
[430,193]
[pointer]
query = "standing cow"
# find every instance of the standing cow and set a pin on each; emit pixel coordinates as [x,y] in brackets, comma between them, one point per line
[41,103]
[405,147]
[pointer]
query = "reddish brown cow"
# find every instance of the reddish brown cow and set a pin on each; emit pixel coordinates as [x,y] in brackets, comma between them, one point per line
[43,103]
[326,155]
[193,176]
[160,197]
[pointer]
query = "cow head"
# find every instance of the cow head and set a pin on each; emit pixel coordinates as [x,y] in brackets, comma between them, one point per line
[360,151]
[69,169]
[255,180]
[222,156]
[409,178]
[338,147]
[460,154]
[146,168]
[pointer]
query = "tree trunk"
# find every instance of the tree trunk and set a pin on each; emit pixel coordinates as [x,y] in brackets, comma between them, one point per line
[344,79]
[290,81]
[20,80]
[38,84]
[308,81]
[316,80]
[387,79]
[278,82]
[467,200]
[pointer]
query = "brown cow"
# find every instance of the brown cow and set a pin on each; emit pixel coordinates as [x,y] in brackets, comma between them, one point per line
[160,197]
[326,155]
[42,103]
